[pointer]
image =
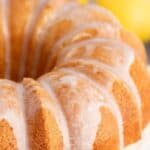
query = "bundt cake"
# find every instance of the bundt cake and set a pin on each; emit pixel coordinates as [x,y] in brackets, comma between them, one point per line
[72,78]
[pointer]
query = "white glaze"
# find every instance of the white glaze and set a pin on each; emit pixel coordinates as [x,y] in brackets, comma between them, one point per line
[84,15]
[104,11]
[126,78]
[101,27]
[108,98]
[21,102]
[14,116]
[43,32]
[58,113]
[56,108]
[121,67]
[17,124]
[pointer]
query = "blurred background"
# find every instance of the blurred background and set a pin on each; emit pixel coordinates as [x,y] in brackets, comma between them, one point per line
[133,15]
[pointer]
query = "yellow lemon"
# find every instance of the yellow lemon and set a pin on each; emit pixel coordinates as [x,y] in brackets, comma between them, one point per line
[83,1]
[133,14]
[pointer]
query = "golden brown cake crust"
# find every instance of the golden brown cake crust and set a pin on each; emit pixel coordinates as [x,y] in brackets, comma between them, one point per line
[80,80]
[43,132]
[7,137]
[141,78]
[106,132]
[2,46]
[129,111]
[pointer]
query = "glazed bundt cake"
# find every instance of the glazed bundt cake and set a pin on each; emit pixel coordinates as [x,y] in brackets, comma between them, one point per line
[72,78]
